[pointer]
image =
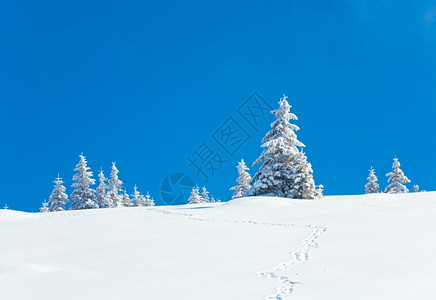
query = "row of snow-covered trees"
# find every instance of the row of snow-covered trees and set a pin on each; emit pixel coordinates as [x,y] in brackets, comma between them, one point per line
[106,195]
[285,171]
[196,197]
[396,181]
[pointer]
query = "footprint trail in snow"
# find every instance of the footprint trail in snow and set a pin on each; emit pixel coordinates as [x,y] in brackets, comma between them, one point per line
[300,255]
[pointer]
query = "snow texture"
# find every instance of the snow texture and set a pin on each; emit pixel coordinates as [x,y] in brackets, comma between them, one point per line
[373,246]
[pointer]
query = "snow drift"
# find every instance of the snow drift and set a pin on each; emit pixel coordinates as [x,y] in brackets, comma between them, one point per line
[374,246]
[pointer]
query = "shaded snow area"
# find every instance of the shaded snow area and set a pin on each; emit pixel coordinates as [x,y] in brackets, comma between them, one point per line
[345,247]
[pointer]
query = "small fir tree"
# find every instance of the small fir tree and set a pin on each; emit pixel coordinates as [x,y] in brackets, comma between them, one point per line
[136,197]
[372,186]
[415,188]
[148,200]
[243,181]
[115,186]
[319,192]
[101,190]
[303,185]
[127,202]
[44,207]
[396,178]
[205,195]
[194,198]
[83,196]
[58,199]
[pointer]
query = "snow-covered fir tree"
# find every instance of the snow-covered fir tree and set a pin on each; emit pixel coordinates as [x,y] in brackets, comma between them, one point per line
[83,196]
[140,200]
[243,181]
[148,200]
[44,207]
[194,198]
[101,190]
[204,195]
[303,185]
[319,192]
[115,186]
[415,188]
[58,199]
[277,173]
[127,202]
[136,197]
[396,178]
[372,186]
[212,199]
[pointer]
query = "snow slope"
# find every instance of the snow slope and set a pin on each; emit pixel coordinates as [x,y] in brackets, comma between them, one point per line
[343,247]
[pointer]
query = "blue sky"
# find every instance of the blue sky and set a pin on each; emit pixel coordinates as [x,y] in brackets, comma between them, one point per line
[146,83]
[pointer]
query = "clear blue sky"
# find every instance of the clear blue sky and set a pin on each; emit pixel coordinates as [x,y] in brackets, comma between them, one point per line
[146,83]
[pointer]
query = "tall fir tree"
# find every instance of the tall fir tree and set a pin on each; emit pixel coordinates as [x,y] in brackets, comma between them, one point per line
[372,186]
[277,173]
[115,186]
[194,198]
[101,190]
[205,195]
[243,181]
[58,199]
[303,185]
[83,196]
[396,178]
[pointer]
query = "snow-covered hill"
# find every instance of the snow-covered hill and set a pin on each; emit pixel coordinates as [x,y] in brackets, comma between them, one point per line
[344,247]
